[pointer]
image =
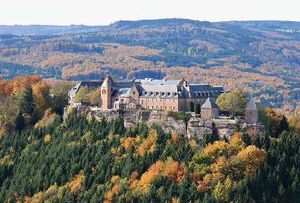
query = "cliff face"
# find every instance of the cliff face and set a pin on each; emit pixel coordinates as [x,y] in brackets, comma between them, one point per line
[195,128]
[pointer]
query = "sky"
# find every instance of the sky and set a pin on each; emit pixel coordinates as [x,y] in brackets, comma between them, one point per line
[103,12]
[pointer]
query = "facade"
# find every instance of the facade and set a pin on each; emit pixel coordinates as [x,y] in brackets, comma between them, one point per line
[209,110]
[152,94]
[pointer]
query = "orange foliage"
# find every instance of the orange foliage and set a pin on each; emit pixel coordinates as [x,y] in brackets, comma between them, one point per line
[171,169]
[174,170]
[17,84]
[175,137]
[148,145]
[111,193]
[41,92]
[77,183]
[128,142]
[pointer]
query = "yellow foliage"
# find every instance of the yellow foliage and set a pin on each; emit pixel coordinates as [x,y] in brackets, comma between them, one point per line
[220,168]
[77,183]
[114,179]
[251,157]
[216,149]
[222,191]
[236,141]
[128,142]
[47,138]
[41,92]
[148,145]
[6,161]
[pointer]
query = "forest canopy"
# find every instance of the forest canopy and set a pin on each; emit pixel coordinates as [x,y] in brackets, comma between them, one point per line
[44,158]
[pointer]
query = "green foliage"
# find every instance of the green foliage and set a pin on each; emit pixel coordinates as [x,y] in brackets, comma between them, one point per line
[180,115]
[192,107]
[83,95]
[234,102]
[26,101]
[82,160]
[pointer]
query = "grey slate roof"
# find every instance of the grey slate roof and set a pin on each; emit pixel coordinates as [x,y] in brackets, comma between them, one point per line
[149,87]
[150,81]
[209,104]
[124,92]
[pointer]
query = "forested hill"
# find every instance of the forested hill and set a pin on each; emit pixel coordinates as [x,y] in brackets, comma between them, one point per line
[261,57]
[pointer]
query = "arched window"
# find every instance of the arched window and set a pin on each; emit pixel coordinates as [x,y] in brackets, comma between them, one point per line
[103,91]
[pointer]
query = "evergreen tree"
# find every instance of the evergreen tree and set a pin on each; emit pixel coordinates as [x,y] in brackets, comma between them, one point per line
[20,122]
[26,101]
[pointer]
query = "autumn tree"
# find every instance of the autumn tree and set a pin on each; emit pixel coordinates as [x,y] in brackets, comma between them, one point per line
[83,95]
[234,102]
[95,97]
[42,98]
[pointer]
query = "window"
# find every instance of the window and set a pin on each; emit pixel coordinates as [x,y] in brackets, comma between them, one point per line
[103,91]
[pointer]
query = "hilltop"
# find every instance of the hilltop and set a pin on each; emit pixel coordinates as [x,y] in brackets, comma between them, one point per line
[261,57]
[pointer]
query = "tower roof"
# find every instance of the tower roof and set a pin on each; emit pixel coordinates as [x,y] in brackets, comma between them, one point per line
[107,81]
[251,105]
[209,104]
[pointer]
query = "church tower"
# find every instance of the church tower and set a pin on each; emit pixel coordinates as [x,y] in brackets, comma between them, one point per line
[106,92]
[251,114]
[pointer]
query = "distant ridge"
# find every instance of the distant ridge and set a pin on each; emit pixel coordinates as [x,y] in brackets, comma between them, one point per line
[127,24]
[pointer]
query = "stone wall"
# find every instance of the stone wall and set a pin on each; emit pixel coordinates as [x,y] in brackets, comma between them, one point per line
[196,128]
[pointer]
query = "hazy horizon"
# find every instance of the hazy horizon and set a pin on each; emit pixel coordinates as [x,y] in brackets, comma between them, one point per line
[143,20]
[97,12]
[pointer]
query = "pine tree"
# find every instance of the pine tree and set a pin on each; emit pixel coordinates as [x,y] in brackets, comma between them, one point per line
[20,122]
[26,101]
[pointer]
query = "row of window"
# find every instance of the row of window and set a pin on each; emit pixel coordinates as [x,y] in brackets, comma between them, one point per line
[161,94]
[204,94]
[161,108]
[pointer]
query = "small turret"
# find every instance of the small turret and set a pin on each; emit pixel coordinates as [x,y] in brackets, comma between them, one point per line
[251,114]
[209,109]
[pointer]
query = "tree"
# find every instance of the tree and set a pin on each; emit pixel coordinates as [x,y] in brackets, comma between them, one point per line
[192,107]
[20,122]
[283,125]
[60,96]
[42,99]
[95,97]
[234,102]
[83,95]
[222,191]
[198,109]
[26,101]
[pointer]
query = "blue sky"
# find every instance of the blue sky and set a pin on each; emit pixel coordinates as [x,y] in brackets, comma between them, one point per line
[100,12]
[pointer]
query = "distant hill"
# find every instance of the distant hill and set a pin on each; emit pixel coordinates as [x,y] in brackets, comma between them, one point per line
[261,57]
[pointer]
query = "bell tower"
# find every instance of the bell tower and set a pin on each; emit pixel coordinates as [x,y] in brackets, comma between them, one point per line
[251,114]
[106,91]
